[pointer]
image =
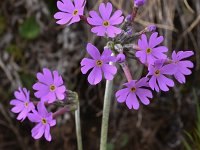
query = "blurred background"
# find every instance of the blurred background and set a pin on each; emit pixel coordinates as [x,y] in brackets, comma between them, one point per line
[31,40]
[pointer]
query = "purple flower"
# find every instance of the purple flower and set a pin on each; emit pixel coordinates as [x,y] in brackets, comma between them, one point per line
[138,3]
[44,121]
[99,63]
[105,25]
[22,104]
[49,88]
[149,52]
[182,65]
[69,12]
[135,90]
[158,79]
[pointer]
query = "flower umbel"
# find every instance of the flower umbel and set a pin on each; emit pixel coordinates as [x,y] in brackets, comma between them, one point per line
[149,52]
[182,65]
[104,25]
[22,104]
[70,12]
[158,79]
[50,87]
[135,91]
[99,63]
[44,121]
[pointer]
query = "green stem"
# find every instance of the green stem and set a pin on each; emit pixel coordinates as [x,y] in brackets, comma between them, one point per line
[78,128]
[106,111]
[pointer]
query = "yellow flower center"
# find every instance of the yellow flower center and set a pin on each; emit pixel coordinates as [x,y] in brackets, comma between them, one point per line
[99,63]
[44,121]
[26,104]
[157,72]
[148,51]
[106,23]
[75,12]
[52,88]
[133,89]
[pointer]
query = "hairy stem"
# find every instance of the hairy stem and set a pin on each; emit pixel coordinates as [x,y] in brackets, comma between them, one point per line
[78,128]
[61,112]
[106,111]
[126,71]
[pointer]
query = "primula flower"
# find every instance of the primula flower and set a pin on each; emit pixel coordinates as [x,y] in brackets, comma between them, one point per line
[158,80]
[135,91]
[99,63]
[49,88]
[182,65]
[105,24]
[44,121]
[22,104]
[70,12]
[148,52]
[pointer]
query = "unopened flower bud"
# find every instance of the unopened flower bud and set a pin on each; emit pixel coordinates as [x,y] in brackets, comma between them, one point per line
[138,3]
[120,58]
[151,28]
[129,31]
[128,18]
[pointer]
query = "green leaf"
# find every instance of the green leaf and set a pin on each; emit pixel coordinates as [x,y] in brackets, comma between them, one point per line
[29,29]
[27,79]
[186,145]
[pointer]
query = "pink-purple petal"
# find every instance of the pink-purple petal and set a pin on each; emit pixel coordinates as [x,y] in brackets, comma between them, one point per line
[122,94]
[42,109]
[185,54]
[105,10]
[93,51]
[116,18]
[95,76]
[154,40]
[109,71]
[153,84]
[47,133]
[143,95]
[99,30]
[169,69]
[95,18]
[87,64]
[180,77]
[63,18]
[132,101]
[34,117]
[39,132]
[65,6]
[112,31]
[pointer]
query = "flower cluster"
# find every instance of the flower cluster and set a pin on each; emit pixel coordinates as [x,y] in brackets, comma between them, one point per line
[103,23]
[49,89]
[160,67]
[149,51]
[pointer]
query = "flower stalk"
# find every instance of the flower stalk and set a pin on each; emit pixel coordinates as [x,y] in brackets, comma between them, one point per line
[72,104]
[106,111]
[78,128]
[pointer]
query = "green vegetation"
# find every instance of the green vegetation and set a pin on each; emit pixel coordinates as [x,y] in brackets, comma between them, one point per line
[29,29]
[192,141]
